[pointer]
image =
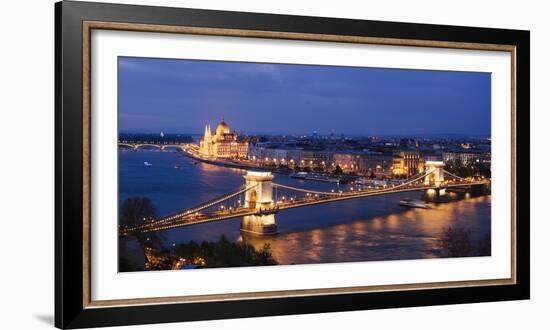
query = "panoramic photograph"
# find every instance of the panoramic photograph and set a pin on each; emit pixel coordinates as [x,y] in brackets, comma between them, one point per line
[240,164]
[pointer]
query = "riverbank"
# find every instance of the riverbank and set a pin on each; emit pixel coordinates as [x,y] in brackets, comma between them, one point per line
[236,165]
[274,169]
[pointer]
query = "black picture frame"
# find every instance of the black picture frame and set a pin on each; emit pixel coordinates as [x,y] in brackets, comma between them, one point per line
[70,310]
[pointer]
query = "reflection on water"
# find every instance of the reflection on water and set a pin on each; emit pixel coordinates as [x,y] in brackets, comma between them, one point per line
[406,235]
[375,228]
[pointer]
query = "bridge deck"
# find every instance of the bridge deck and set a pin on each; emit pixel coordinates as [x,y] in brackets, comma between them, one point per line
[191,219]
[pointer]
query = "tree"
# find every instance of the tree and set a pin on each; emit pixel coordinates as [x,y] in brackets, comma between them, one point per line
[224,253]
[338,170]
[318,168]
[468,169]
[124,265]
[458,168]
[135,211]
[482,169]
[264,257]
[455,242]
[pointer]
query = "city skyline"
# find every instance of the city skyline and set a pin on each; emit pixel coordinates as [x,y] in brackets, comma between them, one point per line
[181,96]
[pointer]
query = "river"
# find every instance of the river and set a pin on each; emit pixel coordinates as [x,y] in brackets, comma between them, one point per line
[375,228]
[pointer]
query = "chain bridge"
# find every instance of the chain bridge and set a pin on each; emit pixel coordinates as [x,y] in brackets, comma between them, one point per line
[259,199]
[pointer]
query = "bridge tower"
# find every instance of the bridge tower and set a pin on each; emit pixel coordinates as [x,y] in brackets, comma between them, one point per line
[436,176]
[259,198]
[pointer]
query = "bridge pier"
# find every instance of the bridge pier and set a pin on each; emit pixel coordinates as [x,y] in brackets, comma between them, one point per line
[262,225]
[436,195]
[259,197]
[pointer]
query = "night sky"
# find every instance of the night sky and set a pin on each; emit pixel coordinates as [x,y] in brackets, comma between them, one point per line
[181,96]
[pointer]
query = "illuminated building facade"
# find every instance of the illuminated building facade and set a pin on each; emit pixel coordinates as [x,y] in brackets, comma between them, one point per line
[223,143]
[379,165]
[408,163]
[463,157]
[348,162]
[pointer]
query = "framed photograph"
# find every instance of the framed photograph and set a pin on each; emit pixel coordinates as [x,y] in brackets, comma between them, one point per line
[215,164]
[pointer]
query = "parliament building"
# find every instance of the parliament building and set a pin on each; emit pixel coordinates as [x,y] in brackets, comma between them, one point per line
[222,144]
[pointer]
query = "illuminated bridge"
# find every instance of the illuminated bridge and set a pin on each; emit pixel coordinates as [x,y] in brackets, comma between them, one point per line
[259,199]
[153,144]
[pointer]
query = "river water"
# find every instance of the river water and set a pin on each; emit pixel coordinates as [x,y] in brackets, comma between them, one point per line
[375,228]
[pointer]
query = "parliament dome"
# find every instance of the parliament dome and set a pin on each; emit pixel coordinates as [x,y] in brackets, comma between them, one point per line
[222,128]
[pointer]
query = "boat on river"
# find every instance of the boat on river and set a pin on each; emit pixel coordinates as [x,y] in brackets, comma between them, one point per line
[414,204]
[314,177]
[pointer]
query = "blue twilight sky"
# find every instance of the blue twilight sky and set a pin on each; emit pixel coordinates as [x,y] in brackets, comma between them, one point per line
[181,96]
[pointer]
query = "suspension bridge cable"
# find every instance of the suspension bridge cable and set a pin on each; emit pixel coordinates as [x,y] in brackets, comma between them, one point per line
[454,175]
[305,190]
[207,204]
[411,180]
